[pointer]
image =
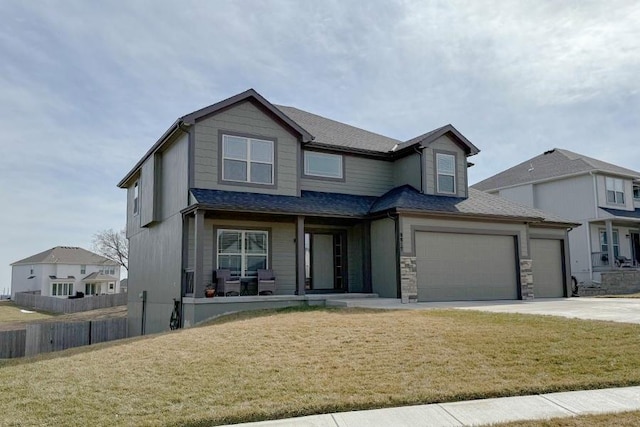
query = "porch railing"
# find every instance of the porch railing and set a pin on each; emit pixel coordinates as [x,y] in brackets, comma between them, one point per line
[600,261]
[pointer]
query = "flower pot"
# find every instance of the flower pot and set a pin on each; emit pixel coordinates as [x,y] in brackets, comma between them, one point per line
[209,293]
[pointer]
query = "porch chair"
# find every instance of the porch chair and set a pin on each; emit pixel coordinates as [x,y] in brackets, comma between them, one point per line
[623,262]
[225,284]
[266,282]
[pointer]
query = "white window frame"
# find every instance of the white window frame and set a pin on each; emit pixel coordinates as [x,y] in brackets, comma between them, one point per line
[445,173]
[309,155]
[61,289]
[636,192]
[92,287]
[615,241]
[83,269]
[614,188]
[243,249]
[248,160]
[136,198]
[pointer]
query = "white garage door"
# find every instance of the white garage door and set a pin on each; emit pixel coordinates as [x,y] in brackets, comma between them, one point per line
[546,263]
[456,267]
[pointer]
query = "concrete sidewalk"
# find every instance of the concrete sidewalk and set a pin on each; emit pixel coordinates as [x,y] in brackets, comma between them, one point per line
[477,412]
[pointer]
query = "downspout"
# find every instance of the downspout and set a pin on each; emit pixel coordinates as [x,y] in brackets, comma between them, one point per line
[419,151]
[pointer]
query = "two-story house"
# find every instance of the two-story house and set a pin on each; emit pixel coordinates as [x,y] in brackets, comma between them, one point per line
[604,198]
[64,270]
[244,184]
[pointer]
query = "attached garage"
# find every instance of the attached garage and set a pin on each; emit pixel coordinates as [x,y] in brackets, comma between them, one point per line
[460,266]
[546,265]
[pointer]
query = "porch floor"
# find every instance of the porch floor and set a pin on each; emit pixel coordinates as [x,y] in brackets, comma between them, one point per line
[275,298]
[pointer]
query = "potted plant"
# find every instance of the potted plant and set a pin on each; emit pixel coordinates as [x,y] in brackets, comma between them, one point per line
[209,290]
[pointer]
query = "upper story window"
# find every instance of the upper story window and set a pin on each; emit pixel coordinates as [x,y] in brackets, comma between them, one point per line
[247,160]
[615,190]
[446,173]
[323,165]
[135,198]
[636,192]
[110,270]
[83,269]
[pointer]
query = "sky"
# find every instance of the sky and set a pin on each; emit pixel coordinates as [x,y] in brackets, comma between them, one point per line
[87,87]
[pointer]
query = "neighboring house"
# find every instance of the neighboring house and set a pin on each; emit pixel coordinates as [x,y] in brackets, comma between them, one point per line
[604,198]
[244,184]
[62,271]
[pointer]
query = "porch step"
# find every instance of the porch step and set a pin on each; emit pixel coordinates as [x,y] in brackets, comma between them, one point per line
[329,297]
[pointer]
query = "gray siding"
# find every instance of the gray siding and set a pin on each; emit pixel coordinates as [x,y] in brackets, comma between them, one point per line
[133,220]
[522,194]
[407,171]
[148,193]
[174,179]
[363,176]
[445,144]
[383,258]
[244,118]
[355,237]
[570,198]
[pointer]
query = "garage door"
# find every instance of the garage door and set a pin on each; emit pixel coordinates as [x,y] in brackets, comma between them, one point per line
[546,263]
[456,267]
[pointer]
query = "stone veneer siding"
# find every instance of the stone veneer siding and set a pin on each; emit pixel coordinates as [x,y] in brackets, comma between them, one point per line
[619,282]
[408,279]
[526,279]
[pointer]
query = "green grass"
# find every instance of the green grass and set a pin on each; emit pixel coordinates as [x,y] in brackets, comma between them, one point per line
[10,313]
[293,363]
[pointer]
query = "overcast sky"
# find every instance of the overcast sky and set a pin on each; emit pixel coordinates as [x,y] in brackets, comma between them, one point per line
[87,87]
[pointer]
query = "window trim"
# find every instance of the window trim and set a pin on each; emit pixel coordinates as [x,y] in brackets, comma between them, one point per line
[221,158]
[616,194]
[307,174]
[66,286]
[436,172]
[216,249]
[603,232]
[636,187]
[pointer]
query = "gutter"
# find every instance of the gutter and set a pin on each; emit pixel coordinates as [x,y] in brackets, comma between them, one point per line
[419,151]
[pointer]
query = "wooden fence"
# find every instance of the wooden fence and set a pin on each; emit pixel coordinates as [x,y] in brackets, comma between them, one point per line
[65,305]
[54,336]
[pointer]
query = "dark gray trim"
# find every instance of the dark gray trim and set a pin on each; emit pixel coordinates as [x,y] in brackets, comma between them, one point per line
[367,284]
[299,159]
[198,254]
[564,250]
[192,157]
[332,231]
[377,155]
[300,274]
[398,242]
[454,230]
[324,178]
[240,227]
[221,181]
[185,253]
[426,139]
[518,271]
[435,172]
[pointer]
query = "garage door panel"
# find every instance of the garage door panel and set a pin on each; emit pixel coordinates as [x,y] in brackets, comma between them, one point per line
[546,265]
[454,266]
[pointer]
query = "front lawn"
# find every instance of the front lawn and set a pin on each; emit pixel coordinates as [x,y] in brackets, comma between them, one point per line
[619,419]
[292,363]
[10,313]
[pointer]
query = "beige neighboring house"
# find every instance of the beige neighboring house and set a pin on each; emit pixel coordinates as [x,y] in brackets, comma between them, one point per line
[64,270]
[603,197]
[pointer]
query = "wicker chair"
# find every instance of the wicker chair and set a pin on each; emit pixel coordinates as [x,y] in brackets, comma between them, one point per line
[266,282]
[225,284]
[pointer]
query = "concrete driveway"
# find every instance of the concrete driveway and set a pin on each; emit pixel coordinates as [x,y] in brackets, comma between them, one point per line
[612,309]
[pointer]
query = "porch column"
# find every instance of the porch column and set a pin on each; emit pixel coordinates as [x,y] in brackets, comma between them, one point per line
[300,255]
[366,257]
[612,261]
[198,261]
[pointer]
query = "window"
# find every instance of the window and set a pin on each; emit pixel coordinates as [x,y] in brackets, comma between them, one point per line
[242,251]
[247,160]
[83,269]
[604,244]
[91,289]
[111,270]
[636,192]
[323,165]
[31,270]
[446,173]
[615,190]
[135,198]
[111,285]
[61,289]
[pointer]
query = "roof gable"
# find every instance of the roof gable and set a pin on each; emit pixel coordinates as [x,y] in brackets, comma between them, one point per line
[551,164]
[427,138]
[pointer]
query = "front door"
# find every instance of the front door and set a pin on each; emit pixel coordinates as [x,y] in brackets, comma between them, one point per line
[635,247]
[324,256]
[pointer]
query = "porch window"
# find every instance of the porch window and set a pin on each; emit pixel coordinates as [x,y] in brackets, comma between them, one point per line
[323,165]
[636,192]
[135,198]
[242,251]
[61,289]
[446,173]
[247,160]
[604,242]
[91,289]
[615,191]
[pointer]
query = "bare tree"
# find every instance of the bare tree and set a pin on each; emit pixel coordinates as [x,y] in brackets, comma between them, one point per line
[113,245]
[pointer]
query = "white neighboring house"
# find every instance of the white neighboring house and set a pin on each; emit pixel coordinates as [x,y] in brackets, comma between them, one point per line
[604,198]
[62,271]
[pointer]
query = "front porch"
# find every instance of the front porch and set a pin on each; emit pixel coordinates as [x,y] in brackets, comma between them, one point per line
[621,251]
[196,310]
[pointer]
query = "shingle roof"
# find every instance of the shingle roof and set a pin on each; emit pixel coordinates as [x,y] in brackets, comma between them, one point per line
[625,214]
[97,277]
[427,138]
[330,132]
[346,205]
[66,255]
[478,203]
[551,164]
[309,203]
